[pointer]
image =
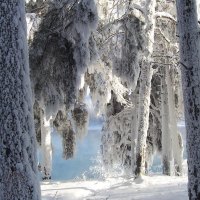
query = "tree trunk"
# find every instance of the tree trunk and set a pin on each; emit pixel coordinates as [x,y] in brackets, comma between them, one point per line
[145,89]
[46,145]
[189,42]
[143,117]
[18,169]
[167,152]
[176,138]
[134,133]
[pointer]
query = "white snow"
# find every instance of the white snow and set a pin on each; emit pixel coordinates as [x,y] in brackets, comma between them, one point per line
[147,188]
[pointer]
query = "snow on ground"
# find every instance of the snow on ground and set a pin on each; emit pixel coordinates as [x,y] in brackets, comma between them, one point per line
[148,188]
[154,187]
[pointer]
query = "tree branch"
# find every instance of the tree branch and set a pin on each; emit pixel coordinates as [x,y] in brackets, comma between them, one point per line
[137,7]
[164,15]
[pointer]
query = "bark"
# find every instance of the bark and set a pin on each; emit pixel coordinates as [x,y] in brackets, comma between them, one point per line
[145,89]
[18,169]
[189,41]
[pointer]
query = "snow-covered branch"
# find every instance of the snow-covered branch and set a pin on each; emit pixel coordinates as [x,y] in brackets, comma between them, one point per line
[137,7]
[164,15]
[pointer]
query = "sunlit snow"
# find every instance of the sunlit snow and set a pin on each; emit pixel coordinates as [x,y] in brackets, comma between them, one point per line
[150,188]
[153,187]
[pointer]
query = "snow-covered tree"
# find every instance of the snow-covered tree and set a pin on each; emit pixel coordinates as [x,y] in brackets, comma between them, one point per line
[122,31]
[116,136]
[60,40]
[189,41]
[18,169]
[129,65]
[165,61]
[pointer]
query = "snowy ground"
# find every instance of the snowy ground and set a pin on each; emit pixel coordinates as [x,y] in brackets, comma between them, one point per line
[150,188]
[154,187]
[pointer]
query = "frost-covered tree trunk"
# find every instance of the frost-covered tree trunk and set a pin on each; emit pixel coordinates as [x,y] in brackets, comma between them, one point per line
[134,132]
[145,89]
[189,42]
[143,117]
[18,169]
[167,153]
[46,126]
[177,147]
